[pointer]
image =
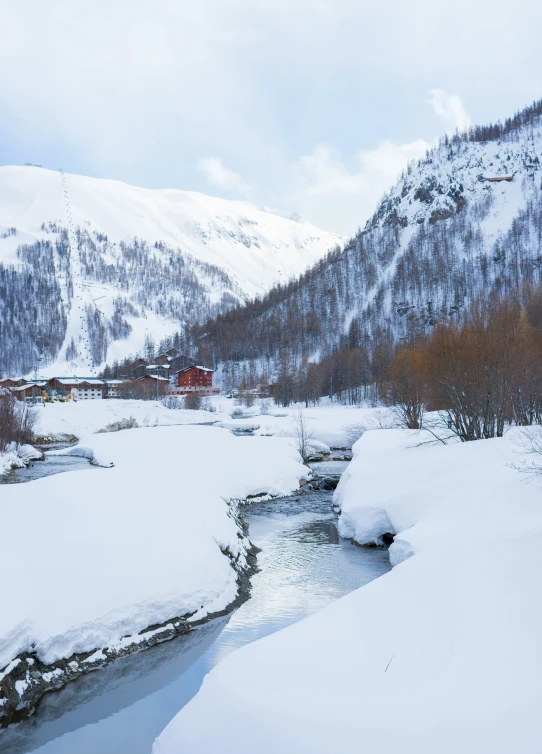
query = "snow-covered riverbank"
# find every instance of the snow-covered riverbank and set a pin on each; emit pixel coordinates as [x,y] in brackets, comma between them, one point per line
[18,457]
[103,555]
[440,655]
[327,423]
[86,417]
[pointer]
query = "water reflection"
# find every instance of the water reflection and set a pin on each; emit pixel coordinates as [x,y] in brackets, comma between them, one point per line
[304,565]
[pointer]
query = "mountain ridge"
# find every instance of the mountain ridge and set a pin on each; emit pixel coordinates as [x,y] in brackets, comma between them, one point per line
[444,236]
[126,263]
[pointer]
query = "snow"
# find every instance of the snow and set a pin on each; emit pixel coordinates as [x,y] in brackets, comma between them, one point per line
[328,423]
[256,247]
[18,457]
[441,654]
[85,417]
[105,553]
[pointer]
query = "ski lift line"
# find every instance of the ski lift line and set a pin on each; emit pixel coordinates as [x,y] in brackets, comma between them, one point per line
[75,263]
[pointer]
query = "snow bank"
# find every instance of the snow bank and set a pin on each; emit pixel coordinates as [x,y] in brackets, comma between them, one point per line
[328,423]
[85,417]
[104,553]
[18,458]
[442,654]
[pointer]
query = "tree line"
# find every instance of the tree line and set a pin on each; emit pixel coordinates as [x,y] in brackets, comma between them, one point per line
[478,376]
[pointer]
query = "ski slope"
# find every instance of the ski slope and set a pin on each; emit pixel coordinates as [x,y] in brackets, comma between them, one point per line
[256,247]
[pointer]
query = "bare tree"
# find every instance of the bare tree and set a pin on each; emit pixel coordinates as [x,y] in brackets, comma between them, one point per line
[17,421]
[192,401]
[303,435]
[8,419]
[529,440]
[26,420]
[380,419]
[404,389]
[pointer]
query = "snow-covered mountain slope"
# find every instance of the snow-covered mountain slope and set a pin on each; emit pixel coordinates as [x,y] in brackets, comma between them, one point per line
[446,234]
[111,262]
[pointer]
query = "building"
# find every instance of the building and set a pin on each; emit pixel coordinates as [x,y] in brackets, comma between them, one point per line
[74,388]
[32,392]
[138,368]
[193,379]
[495,178]
[113,388]
[158,370]
[11,383]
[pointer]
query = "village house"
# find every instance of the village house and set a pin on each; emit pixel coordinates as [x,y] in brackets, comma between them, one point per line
[158,370]
[9,382]
[138,368]
[153,382]
[32,392]
[62,389]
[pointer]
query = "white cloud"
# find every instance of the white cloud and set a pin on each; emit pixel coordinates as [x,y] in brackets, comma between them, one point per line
[339,198]
[221,177]
[333,196]
[450,109]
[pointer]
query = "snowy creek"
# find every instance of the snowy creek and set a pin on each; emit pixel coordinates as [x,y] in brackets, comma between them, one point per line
[49,466]
[303,566]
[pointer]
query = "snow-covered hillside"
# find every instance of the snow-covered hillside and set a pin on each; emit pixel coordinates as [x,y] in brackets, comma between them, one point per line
[448,233]
[111,262]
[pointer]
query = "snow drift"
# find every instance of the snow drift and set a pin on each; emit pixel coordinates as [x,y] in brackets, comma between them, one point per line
[105,553]
[441,654]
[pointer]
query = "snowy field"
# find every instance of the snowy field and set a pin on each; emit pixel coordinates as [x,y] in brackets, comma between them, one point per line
[86,417]
[328,423]
[442,654]
[104,553]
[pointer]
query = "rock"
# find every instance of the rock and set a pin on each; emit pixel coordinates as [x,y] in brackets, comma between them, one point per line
[329,483]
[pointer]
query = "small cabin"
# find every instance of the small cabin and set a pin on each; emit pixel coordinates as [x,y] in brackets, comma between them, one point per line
[29,393]
[495,178]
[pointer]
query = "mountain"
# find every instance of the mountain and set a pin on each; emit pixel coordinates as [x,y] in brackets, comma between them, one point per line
[89,267]
[461,224]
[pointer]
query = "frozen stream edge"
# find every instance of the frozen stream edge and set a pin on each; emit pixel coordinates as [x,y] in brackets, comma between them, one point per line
[26,679]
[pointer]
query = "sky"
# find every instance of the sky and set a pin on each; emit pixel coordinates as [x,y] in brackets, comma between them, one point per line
[305,106]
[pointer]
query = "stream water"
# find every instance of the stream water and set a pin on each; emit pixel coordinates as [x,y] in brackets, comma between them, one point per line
[304,565]
[49,466]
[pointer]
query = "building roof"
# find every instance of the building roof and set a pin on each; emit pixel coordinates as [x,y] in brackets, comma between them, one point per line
[194,366]
[77,381]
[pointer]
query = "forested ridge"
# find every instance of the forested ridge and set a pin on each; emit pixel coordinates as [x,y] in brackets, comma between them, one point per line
[444,236]
[37,292]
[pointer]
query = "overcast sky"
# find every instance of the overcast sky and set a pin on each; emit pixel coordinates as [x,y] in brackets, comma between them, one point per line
[308,106]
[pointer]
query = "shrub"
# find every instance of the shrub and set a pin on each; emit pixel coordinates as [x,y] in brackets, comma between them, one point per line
[192,401]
